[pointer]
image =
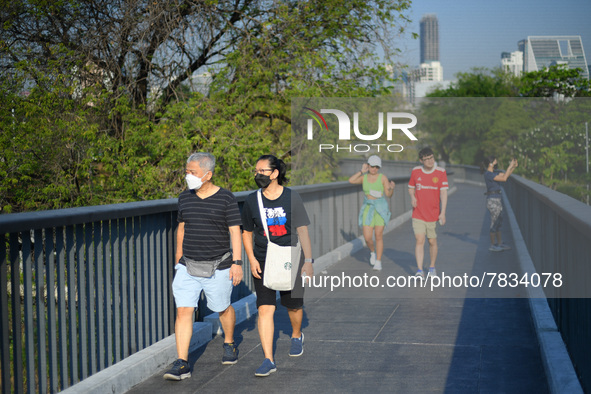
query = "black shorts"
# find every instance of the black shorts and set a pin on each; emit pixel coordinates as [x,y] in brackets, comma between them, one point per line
[291,299]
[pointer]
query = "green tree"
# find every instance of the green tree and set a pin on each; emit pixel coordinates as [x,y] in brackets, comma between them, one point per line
[457,120]
[481,82]
[556,80]
[120,74]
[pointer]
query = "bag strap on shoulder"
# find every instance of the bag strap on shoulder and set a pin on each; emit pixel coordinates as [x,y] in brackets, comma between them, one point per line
[263,213]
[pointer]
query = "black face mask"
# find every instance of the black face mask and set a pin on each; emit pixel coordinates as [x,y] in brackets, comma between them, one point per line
[262,180]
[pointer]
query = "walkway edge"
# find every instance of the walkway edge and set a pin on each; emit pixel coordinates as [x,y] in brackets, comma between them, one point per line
[138,367]
[559,368]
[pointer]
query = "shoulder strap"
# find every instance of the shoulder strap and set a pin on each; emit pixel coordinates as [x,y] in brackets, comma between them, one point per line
[263,214]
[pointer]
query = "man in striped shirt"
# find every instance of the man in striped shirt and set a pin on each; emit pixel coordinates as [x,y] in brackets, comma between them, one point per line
[208,219]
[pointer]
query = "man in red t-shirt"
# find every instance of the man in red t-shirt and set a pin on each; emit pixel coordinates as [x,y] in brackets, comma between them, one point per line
[427,188]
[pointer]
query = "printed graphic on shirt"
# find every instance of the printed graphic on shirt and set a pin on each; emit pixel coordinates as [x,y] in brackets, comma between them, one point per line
[276,219]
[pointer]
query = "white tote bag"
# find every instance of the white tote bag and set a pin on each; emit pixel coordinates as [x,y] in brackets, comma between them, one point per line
[281,262]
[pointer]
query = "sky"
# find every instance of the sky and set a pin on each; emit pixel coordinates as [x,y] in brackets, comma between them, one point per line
[473,33]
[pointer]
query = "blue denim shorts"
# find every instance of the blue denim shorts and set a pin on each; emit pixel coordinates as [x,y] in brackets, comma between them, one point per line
[187,289]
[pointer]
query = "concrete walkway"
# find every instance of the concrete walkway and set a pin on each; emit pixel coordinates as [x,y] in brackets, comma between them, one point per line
[402,340]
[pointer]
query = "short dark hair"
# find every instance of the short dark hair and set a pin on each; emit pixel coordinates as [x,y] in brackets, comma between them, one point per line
[276,164]
[425,152]
[487,160]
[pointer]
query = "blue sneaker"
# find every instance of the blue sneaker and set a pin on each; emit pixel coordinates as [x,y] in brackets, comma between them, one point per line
[297,346]
[180,370]
[230,354]
[266,368]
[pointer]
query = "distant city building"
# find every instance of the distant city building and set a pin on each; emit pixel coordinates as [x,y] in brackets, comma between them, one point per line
[429,72]
[512,62]
[429,38]
[544,51]
[415,84]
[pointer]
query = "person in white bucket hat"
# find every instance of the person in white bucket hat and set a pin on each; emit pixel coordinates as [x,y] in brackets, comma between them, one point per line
[374,213]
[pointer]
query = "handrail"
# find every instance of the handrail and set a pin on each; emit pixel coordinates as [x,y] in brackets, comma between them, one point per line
[95,281]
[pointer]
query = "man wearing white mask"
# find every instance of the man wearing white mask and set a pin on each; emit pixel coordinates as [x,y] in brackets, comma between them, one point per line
[208,219]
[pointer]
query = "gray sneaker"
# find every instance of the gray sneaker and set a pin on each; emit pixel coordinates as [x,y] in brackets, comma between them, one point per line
[432,272]
[420,274]
[180,370]
[495,248]
[504,247]
[230,354]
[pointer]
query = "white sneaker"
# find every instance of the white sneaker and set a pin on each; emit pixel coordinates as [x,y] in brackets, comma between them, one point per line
[504,247]
[378,265]
[372,258]
[495,248]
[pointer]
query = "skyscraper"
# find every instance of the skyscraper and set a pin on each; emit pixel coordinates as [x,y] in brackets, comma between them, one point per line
[429,38]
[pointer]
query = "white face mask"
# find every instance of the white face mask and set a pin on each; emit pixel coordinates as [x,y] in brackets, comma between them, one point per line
[194,182]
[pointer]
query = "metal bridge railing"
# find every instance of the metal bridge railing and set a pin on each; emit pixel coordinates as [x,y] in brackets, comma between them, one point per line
[83,288]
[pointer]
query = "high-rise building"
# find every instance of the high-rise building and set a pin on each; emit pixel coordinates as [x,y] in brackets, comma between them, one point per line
[428,72]
[544,51]
[512,62]
[429,38]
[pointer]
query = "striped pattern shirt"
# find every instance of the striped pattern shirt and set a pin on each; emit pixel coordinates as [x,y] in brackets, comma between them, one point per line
[207,223]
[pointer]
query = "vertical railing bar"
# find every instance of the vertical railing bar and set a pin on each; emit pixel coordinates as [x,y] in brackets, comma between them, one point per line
[139,329]
[168,264]
[73,321]
[115,283]
[17,347]
[50,251]
[160,262]
[82,302]
[124,343]
[61,307]
[91,262]
[4,318]
[131,285]
[41,326]
[28,315]
[163,298]
[145,229]
[151,258]
[108,294]
[99,295]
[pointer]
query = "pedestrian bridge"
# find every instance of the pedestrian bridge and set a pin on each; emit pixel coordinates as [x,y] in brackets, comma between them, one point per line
[96,281]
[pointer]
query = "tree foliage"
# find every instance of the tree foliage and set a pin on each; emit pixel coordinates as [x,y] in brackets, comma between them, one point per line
[557,80]
[105,100]
[538,119]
